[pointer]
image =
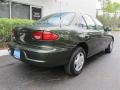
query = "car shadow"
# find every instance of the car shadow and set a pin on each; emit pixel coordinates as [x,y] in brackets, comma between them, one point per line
[95,58]
[46,75]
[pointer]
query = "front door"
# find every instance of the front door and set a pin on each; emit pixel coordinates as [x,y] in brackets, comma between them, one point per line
[93,36]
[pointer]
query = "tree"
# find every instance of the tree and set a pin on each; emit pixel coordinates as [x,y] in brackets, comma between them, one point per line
[112,7]
[111,15]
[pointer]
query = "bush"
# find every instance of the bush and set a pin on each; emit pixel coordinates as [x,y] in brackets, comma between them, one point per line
[6,26]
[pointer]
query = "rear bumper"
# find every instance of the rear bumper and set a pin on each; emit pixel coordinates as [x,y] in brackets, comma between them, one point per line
[42,56]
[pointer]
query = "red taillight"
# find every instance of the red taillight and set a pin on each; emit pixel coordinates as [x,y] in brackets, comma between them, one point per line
[45,36]
[49,36]
[37,35]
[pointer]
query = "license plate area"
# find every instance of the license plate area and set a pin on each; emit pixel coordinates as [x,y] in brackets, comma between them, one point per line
[16,53]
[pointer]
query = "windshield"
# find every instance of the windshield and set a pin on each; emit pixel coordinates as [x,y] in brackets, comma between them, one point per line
[59,19]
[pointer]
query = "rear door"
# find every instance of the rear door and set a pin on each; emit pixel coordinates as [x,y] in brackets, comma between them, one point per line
[94,36]
[105,38]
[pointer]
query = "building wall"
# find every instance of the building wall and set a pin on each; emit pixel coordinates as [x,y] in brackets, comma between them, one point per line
[52,6]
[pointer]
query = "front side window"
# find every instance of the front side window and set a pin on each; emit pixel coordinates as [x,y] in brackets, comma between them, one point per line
[99,25]
[59,19]
[89,21]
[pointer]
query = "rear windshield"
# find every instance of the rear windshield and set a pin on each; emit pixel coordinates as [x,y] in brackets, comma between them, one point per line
[59,19]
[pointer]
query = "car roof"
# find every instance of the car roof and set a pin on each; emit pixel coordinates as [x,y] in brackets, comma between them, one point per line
[76,13]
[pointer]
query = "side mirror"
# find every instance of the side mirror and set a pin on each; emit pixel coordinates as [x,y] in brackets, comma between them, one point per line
[107,29]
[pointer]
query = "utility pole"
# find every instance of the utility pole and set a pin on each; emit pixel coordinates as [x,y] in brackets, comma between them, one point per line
[103,2]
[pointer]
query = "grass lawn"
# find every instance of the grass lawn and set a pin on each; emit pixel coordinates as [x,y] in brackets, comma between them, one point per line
[117,29]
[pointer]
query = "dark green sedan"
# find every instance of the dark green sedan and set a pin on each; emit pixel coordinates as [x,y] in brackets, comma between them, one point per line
[61,39]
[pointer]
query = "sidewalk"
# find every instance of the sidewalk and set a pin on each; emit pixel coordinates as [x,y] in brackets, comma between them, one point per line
[4,52]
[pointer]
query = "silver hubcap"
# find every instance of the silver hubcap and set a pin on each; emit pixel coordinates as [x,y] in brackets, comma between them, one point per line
[79,61]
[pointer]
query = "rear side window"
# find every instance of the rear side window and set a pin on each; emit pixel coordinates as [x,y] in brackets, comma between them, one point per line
[90,22]
[83,23]
[57,19]
[80,22]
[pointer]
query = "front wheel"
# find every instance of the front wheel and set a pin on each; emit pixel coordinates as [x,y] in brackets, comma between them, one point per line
[76,63]
[110,47]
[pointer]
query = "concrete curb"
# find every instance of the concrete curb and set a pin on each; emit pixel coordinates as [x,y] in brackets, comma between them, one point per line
[4,52]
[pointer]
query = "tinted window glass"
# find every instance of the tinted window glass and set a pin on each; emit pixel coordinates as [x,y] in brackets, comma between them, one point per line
[90,22]
[82,23]
[58,19]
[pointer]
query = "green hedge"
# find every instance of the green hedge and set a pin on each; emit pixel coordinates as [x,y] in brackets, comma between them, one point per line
[117,29]
[6,26]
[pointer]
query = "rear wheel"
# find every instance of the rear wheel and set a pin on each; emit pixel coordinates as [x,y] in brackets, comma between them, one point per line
[110,47]
[76,64]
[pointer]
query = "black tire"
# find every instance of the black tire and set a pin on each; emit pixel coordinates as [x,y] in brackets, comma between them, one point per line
[70,67]
[110,47]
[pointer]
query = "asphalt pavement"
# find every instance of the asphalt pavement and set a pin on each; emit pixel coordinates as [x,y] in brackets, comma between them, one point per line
[101,72]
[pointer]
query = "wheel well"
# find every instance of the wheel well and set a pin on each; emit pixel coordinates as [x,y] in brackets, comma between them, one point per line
[84,46]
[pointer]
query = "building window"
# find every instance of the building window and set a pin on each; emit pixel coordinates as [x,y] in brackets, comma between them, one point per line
[4,10]
[20,11]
